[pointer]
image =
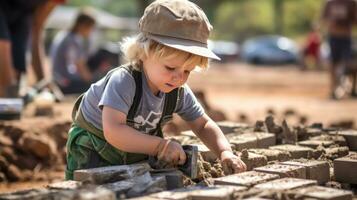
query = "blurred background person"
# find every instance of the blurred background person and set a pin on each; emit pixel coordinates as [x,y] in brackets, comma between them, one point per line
[18,20]
[339,16]
[70,52]
[311,50]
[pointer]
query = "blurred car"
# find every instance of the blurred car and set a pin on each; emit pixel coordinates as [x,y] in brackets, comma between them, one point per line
[228,51]
[270,49]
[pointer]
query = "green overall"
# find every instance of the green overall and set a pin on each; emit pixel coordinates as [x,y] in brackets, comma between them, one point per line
[86,145]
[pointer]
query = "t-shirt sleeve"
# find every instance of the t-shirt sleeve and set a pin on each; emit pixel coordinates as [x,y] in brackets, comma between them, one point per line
[119,91]
[188,106]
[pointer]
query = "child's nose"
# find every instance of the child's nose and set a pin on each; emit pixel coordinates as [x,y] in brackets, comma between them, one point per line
[178,76]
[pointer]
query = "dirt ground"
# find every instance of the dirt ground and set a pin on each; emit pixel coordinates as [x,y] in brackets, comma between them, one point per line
[240,89]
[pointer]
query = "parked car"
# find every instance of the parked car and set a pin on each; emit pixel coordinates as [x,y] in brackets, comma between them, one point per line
[271,49]
[228,51]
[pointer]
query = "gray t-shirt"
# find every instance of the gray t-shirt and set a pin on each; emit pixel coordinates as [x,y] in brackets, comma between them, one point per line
[66,50]
[119,94]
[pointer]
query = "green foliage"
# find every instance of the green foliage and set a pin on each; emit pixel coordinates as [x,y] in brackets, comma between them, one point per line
[124,8]
[301,15]
[236,20]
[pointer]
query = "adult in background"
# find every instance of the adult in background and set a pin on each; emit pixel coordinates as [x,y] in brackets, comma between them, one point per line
[339,16]
[18,20]
[69,54]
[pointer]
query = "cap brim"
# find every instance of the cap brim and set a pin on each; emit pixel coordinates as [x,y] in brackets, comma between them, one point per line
[185,45]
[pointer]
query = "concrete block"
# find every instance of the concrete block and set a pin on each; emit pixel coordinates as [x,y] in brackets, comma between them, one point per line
[321,193]
[248,179]
[284,170]
[315,143]
[242,141]
[111,174]
[272,154]
[253,160]
[345,169]
[337,139]
[174,178]
[295,150]
[285,184]
[351,138]
[315,170]
[229,127]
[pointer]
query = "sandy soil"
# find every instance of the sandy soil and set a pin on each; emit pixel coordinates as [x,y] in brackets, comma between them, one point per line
[242,89]
[238,89]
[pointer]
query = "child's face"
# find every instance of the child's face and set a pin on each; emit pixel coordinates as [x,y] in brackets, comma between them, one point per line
[165,74]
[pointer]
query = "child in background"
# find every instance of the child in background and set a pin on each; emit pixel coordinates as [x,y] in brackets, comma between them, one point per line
[119,119]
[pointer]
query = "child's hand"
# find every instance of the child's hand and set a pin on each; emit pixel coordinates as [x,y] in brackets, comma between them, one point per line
[231,164]
[171,152]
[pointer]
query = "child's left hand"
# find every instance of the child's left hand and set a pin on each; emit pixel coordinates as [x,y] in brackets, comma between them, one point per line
[231,163]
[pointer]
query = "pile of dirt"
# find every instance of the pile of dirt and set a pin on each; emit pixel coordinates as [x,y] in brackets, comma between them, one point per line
[30,147]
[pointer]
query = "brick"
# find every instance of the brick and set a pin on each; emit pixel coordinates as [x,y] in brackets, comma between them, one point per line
[65,185]
[253,160]
[321,193]
[345,168]
[272,154]
[174,178]
[285,184]
[315,143]
[88,193]
[136,186]
[312,132]
[157,184]
[336,152]
[229,127]
[265,140]
[315,170]
[199,193]
[284,170]
[96,193]
[351,138]
[212,193]
[295,150]
[111,174]
[242,141]
[337,139]
[248,179]
[173,195]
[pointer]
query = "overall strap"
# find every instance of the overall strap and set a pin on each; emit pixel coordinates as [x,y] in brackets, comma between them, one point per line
[77,114]
[138,90]
[171,100]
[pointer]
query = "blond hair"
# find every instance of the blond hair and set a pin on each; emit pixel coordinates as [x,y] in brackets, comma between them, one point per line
[138,47]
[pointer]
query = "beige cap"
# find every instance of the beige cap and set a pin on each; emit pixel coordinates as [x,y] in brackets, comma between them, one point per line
[179,24]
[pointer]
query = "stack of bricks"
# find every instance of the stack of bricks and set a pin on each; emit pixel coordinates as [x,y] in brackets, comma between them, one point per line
[303,170]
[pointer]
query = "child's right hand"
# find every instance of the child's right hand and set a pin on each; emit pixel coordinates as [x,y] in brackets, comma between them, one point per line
[171,152]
